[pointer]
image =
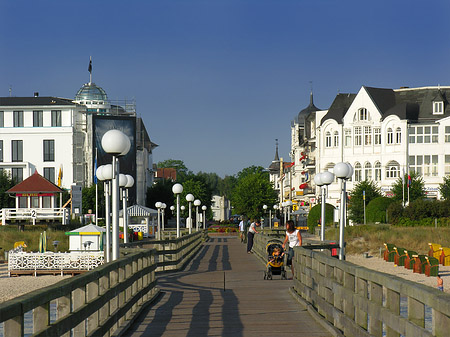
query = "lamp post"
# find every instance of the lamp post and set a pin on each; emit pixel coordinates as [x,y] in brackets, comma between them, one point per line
[343,171]
[117,144]
[190,198]
[177,189]
[289,206]
[163,208]
[104,173]
[123,180]
[196,204]
[275,207]
[265,209]
[158,207]
[204,216]
[283,205]
[322,180]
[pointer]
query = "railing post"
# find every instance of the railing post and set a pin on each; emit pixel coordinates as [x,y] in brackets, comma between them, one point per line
[14,327]
[416,312]
[393,304]
[441,324]
[128,290]
[78,300]
[121,296]
[63,309]
[376,296]
[41,317]
[92,292]
[114,303]
[103,288]
[349,308]
[360,314]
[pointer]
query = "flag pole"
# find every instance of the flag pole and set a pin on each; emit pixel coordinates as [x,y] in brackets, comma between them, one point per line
[96,189]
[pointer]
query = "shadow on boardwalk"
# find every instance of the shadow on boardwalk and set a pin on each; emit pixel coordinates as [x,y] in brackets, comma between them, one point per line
[222,293]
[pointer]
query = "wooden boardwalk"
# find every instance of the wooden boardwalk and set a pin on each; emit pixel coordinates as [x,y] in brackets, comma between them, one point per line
[222,292]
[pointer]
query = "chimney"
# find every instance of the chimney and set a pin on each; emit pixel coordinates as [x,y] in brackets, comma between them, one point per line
[36,94]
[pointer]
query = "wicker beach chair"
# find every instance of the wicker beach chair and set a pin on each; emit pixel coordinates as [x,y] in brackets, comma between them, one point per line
[410,260]
[400,256]
[389,252]
[419,264]
[432,266]
[434,250]
[444,258]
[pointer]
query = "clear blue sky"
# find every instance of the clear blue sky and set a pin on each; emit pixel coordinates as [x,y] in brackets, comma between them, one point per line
[216,81]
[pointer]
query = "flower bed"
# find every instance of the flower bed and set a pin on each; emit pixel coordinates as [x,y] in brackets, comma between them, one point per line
[229,228]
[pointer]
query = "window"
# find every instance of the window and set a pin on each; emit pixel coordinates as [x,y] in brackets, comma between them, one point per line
[358,172]
[438,108]
[46,202]
[23,202]
[2,119]
[377,171]
[17,150]
[367,135]
[368,171]
[362,114]
[447,134]
[37,118]
[34,202]
[56,117]
[377,136]
[49,174]
[447,165]
[17,174]
[336,139]
[328,139]
[358,136]
[1,151]
[426,165]
[49,150]
[18,118]
[390,136]
[347,137]
[398,136]
[412,135]
[392,170]
[424,134]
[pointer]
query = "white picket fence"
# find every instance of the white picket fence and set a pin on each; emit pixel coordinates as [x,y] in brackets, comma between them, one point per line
[34,214]
[50,261]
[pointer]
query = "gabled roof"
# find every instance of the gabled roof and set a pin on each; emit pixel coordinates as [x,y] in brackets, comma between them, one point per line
[35,184]
[24,101]
[339,107]
[384,99]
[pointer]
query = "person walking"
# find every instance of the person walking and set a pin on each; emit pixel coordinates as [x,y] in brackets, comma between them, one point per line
[241,230]
[295,240]
[251,234]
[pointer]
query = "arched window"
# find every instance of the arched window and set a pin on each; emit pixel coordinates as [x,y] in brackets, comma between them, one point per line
[368,171]
[398,136]
[377,171]
[358,172]
[336,139]
[392,169]
[390,136]
[362,114]
[328,139]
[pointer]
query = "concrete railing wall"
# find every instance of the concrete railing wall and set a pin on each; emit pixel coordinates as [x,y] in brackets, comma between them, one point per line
[103,301]
[363,302]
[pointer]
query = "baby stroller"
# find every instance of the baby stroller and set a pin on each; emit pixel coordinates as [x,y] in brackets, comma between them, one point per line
[275,263]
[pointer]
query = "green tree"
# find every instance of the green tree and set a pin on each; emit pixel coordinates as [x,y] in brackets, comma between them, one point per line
[444,188]
[199,190]
[88,199]
[178,165]
[6,201]
[252,191]
[416,188]
[161,191]
[356,202]
[376,210]
[227,185]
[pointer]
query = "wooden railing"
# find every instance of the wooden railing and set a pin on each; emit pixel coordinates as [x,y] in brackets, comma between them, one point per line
[103,301]
[34,214]
[363,302]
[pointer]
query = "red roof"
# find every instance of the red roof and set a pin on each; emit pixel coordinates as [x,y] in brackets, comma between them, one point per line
[35,183]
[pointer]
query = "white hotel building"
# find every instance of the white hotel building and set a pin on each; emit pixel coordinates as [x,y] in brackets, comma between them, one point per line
[59,136]
[382,133]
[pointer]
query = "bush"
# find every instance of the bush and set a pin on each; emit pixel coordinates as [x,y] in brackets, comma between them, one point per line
[315,213]
[376,209]
[395,212]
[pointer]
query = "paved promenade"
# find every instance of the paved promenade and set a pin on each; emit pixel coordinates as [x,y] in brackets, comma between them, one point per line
[222,293]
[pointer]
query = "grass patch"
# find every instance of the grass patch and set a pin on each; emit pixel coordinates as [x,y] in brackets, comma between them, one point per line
[10,234]
[369,238]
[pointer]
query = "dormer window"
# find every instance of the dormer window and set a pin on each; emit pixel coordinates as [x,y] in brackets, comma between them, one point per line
[438,108]
[362,114]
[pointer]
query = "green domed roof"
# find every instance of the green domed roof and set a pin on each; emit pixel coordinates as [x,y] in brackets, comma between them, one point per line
[90,91]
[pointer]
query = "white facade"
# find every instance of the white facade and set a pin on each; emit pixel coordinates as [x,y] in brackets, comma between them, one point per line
[385,134]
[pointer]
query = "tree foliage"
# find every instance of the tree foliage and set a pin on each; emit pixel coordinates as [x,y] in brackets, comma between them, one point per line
[252,191]
[356,202]
[377,208]
[89,200]
[444,188]
[161,191]
[6,201]
[178,165]
[416,188]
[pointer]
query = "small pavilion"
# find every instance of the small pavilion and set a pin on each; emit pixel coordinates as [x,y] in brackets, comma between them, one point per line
[35,192]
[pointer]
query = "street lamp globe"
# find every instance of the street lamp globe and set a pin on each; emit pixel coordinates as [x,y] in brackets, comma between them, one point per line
[107,172]
[172,208]
[115,142]
[122,180]
[327,178]
[264,207]
[130,181]
[183,208]
[318,179]
[341,170]
[158,204]
[190,197]
[197,202]
[204,208]
[177,188]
